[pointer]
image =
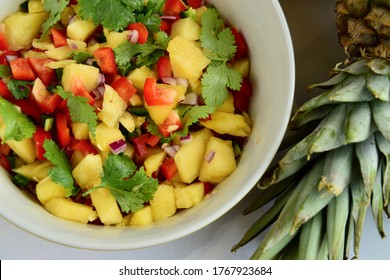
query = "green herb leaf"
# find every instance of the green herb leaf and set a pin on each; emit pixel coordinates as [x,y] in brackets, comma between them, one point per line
[80,57]
[219,45]
[112,14]
[61,173]
[130,187]
[19,89]
[193,114]
[55,8]
[5,71]
[17,125]
[79,109]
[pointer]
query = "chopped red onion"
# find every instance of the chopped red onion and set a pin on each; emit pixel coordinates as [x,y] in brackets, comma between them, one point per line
[182,82]
[191,99]
[169,80]
[118,147]
[210,155]
[173,18]
[186,139]
[98,92]
[171,150]
[101,79]
[133,37]
[71,19]
[10,57]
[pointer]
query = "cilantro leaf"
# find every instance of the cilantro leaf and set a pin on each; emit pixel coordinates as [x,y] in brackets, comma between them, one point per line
[19,89]
[115,15]
[5,71]
[150,16]
[128,55]
[216,81]
[17,125]
[219,45]
[80,57]
[130,187]
[79,109]
[61,173]
[55,8]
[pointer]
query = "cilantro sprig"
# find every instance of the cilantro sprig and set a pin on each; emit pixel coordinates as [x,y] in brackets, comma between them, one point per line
[130,187]
[17,125]
[55,8]
[61,173]
[79,109]
[129,56]
[219,45]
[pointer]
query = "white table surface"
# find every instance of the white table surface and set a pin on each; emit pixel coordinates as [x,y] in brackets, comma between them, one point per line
[317,51]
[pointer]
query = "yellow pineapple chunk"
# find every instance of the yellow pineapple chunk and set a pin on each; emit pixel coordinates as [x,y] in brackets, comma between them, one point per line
[21,28]
[36,171]
[67,209]
[153,162]
[227,123]
[187,60]
[163,203]
[189,157]
[219,161]
[142,217]
[106,206]
[80,131]
[114,39]
[186,28]
[60,53]
[127,121]
[25,149]
[139,75]
[188,196]
[46,189]
[113,107]
[242,66]
[87,172]
[80,29]
[35,6]
[228,105]
[88,75]
[105,135]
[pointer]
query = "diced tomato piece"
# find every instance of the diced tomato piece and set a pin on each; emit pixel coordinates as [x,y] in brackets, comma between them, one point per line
[5,92]
[166,26]
[242,96]
[45,100]
[3,39]
[62,128]
[4,162]
[168,168]
[152,140]
[155,96]
[38,65]
[194,3]
[164,67]
[173,7]
[242,47]
[29,108]
[124,88]
[39,137]
[143,32]
[78,89]
[171,124]
[59,37]
[85,147]
[208,187]
[21,70]
[106,60]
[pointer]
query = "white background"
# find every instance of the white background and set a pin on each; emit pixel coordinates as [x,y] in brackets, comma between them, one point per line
[314,37]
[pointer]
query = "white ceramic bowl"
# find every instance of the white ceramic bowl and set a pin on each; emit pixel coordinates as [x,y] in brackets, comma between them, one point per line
[272,74]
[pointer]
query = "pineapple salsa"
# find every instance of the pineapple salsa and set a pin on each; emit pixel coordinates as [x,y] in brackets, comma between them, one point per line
[121,112]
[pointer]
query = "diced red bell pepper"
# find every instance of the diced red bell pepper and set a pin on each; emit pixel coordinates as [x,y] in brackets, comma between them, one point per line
[143,32]
[3,40]
[155,96]
[38,65]
[241,97]
[152,140]
[29,108]
[124,88]
[194,3]
[21,70]
[164,67]
[45,100]
[62,128]
[208,187]
[173,7]
[106,60]
[168,168]
[5,92]
[5,54]
[242,47]
[59,37]
[140,145]
[85,147]
[39,137]
[166,26]
[78,89]
[171,124]
[4,162]
[5,149]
